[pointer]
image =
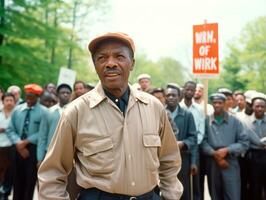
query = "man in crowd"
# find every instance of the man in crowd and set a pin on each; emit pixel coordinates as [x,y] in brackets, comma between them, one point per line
[199,117]
[257,153]
[120,138]
[240,102]
[16,91]
[8,100]
[144,81]
[186,137]
[159,94]
[224,140]
[229,103]
[23,131]
[80,88]
[199,98]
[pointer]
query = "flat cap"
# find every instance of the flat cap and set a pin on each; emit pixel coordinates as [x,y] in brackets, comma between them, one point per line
[33,89]
[258,95]
[249,94]
[217,96]
[143,76]
[115,36]
[225,91]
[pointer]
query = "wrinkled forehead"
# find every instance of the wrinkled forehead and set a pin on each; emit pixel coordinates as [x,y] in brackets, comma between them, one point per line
[113,44]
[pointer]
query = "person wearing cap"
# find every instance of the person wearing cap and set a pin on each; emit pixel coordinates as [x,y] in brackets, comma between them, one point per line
[229,103]
[186,137]
[224,140]
[23,131]
[144,81]
[257,152]
[120,138]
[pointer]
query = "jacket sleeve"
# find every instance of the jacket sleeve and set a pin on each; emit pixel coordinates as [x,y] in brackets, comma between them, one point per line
[43,137]
[58,163]
[170,162]
[11,131]
[242,140]
[191,139]
[206,147]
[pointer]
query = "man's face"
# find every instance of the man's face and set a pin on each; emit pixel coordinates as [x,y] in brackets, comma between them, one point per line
[16,94]
[241,103]
[198,93]
[259,108]
[218,106]
[64,95]
[51,87]
[79,89]
[229,101]
[189,91]
[171,97]
[113,64]
[144,84]
[9,102]
[31,99]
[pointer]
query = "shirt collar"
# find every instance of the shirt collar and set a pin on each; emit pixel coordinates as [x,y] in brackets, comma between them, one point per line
[24,106]
[97,95]
[254,119]
[225,117]
[124,97]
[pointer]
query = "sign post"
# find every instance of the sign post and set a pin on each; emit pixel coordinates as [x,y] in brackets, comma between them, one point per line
[205,54]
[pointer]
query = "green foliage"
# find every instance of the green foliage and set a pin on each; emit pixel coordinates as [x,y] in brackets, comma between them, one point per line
[245,66]
[36,38]
[163,71]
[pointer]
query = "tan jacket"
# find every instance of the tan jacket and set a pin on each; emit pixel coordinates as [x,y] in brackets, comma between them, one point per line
[117,154]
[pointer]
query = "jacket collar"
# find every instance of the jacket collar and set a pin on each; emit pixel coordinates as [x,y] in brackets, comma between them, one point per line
[97,95]
[225,117]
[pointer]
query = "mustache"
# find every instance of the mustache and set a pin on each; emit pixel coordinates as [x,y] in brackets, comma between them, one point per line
[111,71]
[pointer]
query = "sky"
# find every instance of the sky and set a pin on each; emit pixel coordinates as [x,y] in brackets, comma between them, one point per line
[163,28]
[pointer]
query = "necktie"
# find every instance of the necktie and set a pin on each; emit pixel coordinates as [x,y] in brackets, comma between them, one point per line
[26,125]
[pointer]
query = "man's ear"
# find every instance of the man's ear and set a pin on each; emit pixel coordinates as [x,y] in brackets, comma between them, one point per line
[133,63]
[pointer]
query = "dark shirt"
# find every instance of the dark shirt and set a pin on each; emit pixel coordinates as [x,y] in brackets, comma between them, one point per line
[120,102]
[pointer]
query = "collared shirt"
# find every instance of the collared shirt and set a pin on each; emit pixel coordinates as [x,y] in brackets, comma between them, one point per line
[199,117]
[229,133]
[4,121]
[48,127]
[120,102]
[256,131]
[116,153]
[15,128]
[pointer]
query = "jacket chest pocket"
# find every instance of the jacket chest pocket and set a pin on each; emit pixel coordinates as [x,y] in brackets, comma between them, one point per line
[99,156]
[152,143]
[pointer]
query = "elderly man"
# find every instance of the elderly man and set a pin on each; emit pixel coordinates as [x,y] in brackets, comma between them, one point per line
[224,140]
[23,131]
[120,138]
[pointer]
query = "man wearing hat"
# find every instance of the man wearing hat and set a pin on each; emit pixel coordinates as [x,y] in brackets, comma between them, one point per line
[257,152]
[120,138]
[23,131]
[224,140]
[229,102]
[144,81]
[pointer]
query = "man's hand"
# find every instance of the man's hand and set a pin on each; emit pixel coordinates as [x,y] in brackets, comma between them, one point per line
[2,130]
[193,170]
[24,153]
[180,144]
[223,164]
[22,144]
[220,153]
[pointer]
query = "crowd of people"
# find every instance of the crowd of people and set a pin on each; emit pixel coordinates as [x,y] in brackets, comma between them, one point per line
[225,142]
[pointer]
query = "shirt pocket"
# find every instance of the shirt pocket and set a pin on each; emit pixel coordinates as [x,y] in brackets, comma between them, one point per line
[152,142]
[99,156]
